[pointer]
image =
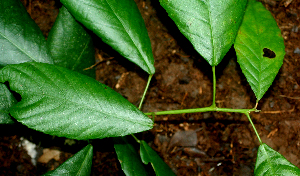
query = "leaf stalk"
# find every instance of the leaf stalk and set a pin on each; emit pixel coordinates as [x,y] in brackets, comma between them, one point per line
[145,91]
[249,118]
[214,86]
[136,139]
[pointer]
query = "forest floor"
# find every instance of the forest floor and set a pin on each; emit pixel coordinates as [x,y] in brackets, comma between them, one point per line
[200,144]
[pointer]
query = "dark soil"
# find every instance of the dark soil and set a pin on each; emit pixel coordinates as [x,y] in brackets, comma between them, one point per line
[224,144]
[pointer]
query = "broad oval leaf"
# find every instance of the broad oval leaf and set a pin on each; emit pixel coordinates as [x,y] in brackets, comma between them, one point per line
[21,40]
[271,163]
[61,102]
[6,101]
[119,24]
[149,155]
[80,164]
[129,158]
[259,48]
[70,45]
[210,25]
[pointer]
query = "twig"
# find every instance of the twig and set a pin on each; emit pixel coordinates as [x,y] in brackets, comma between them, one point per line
[295,98]
[278,112]
[91,67]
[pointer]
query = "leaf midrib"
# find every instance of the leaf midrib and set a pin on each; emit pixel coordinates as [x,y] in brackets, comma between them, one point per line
[131,38]
[124,27]
[212,35]
[81,105]
[42,94]
[80,55]
[17,46]
[85,160]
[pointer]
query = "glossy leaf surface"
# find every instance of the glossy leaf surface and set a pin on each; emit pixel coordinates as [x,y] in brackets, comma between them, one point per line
[259,47]
[80,164]
[149,155]
[129,158]
[61,102]
[70,45]
[6,101]
[210,25]
[119,24]
[21,40]
[271,163]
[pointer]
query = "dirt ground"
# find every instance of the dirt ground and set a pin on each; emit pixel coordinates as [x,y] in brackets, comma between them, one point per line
[200,144]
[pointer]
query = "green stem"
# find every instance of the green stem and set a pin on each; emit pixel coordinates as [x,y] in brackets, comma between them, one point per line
[206,109]
[145,91]
[214,86]
[248,115]
[136,139]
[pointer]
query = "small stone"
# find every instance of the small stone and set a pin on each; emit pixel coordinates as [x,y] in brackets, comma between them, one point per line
[295,29]
[183,139]
[206,115]
[297,51]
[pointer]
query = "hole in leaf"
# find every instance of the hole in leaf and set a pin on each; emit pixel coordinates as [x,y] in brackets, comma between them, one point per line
[269,53]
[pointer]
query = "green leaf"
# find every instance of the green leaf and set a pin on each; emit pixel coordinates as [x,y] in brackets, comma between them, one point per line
[149,155]
[6,101]
[21,40]
[61,102]
[269,162]
[259,48]
[70,45]
[119,24]
[79,164]
[129,158]
[211,25]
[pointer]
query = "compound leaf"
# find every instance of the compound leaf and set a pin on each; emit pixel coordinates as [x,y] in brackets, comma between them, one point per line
[119,24]
[6,101]
[21,40]
[271,163]
[149,155]
[210,25]
[129,158]
[259,48]
[80,164]
[70,45]
[61,102]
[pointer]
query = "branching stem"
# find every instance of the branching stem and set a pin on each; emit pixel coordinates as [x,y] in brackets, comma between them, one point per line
[206,109]
[213,107]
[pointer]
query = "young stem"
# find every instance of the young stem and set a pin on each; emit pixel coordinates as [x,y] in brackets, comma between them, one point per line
[206,109]
[145,91]
[248,116]
[214,86]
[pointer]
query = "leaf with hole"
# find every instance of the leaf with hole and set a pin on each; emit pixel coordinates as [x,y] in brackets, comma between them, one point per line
[21,40]
[129,158]
[149,155]
[119,24]
[7,100]
[211,26]
[61,102]
[80,164]
[271,163]
[70,45]
[259,48]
